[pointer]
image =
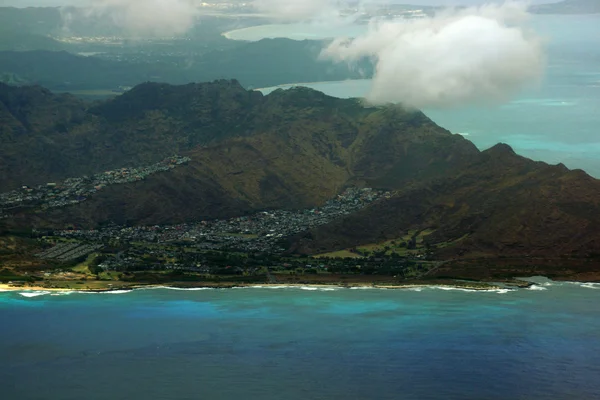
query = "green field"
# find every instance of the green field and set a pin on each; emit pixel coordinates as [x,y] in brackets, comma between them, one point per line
[340,254]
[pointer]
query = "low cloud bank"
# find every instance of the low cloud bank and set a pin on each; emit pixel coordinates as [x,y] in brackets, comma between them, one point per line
[140,17]
[482,54]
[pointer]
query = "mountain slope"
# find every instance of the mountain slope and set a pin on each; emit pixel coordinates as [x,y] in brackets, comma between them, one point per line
[296,149]
[501,204]
[290,149]
[47,137]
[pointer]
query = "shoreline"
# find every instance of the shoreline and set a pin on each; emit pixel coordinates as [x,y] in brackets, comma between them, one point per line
[483,287]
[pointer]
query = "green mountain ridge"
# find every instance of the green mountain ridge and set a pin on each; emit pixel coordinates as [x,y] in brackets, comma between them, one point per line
[48,137]
[290,149]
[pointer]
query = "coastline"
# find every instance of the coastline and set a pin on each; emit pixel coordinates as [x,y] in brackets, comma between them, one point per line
[290,85]
[4,287]
[307,286]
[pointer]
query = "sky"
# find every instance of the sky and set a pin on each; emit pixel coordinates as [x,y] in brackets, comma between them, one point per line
[28,3]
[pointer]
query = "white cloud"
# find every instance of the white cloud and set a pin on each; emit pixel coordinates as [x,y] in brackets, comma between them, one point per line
[482,54]
[143,17]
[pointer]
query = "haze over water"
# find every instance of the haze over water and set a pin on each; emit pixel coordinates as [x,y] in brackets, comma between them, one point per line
[558,121]
[292,343]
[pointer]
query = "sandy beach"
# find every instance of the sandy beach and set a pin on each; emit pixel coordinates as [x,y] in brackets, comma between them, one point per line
[10,288]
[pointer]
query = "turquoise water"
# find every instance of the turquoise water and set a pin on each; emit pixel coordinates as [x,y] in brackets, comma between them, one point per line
[556,121]
[292,343]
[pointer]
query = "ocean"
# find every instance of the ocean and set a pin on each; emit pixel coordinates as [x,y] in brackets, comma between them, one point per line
[555,121]
[303,343]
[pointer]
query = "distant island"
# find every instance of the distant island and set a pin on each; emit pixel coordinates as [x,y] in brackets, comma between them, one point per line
[568,7]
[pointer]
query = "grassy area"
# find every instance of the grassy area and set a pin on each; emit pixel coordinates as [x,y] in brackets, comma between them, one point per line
[451,242]
[84,284]
[340,254]
[110,275]
[84,267]
[399,246]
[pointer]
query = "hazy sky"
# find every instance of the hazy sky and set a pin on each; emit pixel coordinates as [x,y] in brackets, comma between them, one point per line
[26,3]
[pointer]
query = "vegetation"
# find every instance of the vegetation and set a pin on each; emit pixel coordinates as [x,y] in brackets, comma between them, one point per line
[290,149]
[450,204]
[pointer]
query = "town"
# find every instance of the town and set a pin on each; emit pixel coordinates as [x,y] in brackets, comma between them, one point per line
[260,232]
[249,247]
[76,190]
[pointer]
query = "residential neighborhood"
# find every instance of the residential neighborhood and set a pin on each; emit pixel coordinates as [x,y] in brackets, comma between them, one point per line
[76,190]
[261,231]
[243,245]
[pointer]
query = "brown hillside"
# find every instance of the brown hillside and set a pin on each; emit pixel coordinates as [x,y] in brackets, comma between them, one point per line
[47,137]
[300,148]
[499,205]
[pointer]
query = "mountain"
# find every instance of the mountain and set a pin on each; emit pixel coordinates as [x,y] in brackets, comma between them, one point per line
[568,7]
[290,149]
[296,149]
[47,137]
[500,205]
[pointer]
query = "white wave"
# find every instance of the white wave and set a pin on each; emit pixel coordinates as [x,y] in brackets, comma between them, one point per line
[119,291]
[364,288]
[310,288]
[321,289]
[176,288]
[460,289]
[453,288]
[590,285]
[68,292]
[270,286]
[34,294]
[587,285]
[263,287]
[537,287]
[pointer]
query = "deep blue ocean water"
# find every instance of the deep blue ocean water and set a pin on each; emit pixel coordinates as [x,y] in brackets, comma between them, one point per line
[292,343]
[555,121]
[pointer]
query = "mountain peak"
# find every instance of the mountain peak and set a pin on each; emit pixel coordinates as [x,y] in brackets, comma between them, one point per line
[180,99]
[499,149]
